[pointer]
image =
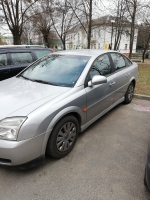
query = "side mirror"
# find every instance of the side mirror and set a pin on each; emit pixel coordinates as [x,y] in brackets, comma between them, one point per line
[96,80]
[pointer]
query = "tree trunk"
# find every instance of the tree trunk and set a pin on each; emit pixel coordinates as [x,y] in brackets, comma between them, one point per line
[16,39]
[64,44]
[16,36]
[117,40]
[145,48]
[89,25]
[118,44]
[143,55]
[46,38]
[131,42]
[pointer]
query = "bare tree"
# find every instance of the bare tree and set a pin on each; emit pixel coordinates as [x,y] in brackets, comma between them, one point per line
[62,18]
[146,37]
[83,11]
[27,32]
[43,23]
[144,32]
[133,8]
[120,21]
[15,11]
[145,40]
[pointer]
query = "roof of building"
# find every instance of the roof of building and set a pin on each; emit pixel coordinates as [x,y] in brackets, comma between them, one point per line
[102,21]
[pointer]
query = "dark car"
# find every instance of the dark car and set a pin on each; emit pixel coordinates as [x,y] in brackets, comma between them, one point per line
[147,170]
[13,59]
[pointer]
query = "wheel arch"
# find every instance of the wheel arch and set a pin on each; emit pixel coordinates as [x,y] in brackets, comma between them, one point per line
[134,82]
[75,111]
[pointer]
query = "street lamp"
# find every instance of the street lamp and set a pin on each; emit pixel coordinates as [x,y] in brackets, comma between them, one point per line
[112,23]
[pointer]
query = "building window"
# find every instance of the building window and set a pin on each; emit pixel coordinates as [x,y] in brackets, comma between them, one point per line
[126,46]
[91,46]
[99,46]
[94,46]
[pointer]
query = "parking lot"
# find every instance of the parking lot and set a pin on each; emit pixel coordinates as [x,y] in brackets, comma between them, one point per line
[107,163]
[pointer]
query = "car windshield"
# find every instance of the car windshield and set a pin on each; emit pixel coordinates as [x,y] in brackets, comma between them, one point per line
[60,70]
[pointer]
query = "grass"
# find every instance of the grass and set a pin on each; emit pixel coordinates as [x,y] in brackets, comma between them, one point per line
[143,82]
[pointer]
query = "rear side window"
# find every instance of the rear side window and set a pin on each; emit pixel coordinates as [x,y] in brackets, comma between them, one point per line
[3,60]
[118,61]
[41,53]
[128,62]
[21,58]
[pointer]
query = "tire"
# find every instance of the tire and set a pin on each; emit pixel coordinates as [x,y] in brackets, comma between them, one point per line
[63,137]
[129,94]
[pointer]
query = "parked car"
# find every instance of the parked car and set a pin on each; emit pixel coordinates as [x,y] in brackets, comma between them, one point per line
[14,58]
[147,170]
[46,106]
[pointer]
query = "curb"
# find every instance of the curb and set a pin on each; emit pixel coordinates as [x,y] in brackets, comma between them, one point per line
[139,96]
[135,60]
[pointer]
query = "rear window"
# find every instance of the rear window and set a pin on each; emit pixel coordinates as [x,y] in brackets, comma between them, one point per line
[41,53]
[3,60]
[21,58]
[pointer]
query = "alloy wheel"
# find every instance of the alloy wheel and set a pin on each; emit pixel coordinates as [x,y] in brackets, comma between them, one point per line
[66,136]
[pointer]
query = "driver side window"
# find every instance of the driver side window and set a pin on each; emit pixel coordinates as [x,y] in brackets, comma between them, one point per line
[101,66]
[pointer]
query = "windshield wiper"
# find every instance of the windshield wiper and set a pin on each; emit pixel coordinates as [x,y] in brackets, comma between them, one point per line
[44,82]
[25,78]
[39,81]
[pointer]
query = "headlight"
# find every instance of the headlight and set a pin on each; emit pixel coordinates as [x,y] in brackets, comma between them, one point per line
[9,127]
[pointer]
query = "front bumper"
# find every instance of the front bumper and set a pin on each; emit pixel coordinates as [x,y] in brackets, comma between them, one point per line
[19,152]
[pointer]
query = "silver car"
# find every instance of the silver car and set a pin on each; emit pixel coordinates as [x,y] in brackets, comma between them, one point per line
[46,106]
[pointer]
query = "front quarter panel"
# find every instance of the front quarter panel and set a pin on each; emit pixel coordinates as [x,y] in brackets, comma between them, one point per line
[44,118]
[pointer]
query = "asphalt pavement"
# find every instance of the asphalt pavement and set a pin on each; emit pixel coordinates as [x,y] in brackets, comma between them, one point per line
[107,163]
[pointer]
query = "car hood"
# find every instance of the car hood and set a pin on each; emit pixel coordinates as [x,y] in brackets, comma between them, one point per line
[17,94]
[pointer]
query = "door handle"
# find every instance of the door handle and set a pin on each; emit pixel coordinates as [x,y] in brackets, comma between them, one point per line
[112,83]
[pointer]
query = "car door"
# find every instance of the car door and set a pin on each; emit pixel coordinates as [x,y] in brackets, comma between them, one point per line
[5,67]
[20,60]
[100,97]
[123,75]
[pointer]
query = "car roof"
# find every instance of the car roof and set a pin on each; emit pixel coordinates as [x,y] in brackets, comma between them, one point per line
[85,52]
[22,46]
